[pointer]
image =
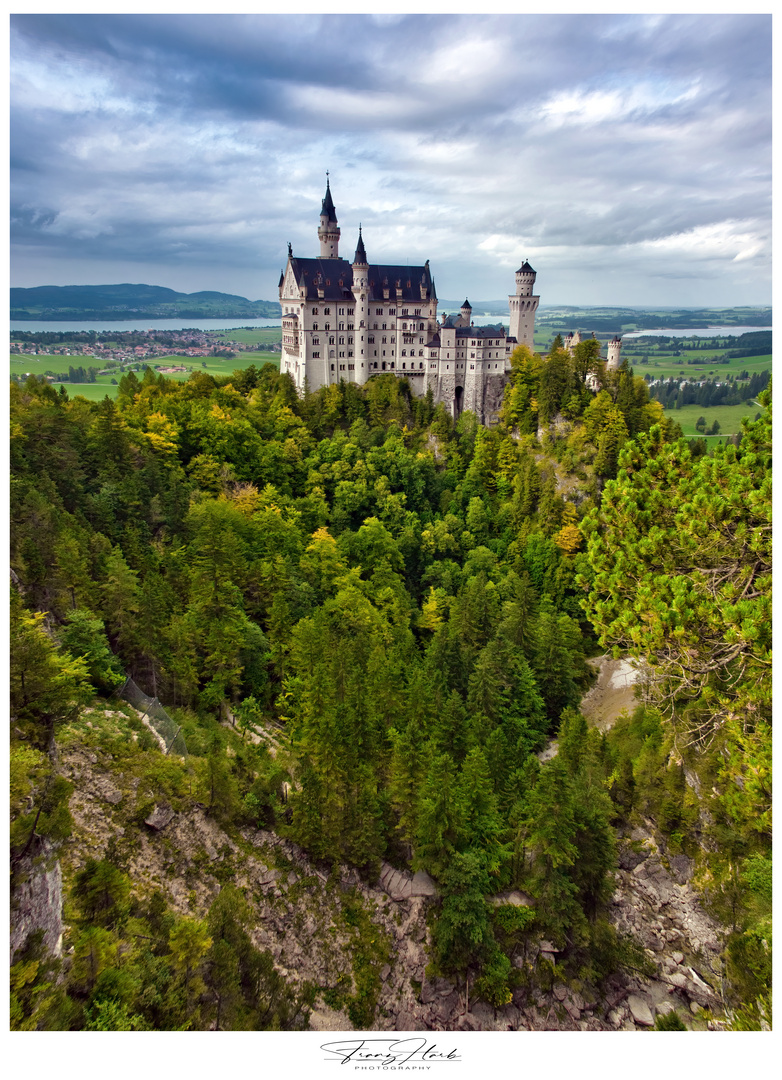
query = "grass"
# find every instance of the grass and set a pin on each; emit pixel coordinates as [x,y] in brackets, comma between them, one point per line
[664,365]
[96,391]
[728,416]
[215,365]
[102,387]
[265,336]
[22,362]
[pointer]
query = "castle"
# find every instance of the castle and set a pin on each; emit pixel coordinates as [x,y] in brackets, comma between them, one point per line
[612,363]
[349,321]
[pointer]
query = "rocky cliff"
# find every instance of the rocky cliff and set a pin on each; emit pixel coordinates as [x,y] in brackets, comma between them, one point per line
[36,902]
[307,917]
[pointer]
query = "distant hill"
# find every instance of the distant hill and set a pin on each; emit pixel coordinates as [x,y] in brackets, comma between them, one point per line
[80,302]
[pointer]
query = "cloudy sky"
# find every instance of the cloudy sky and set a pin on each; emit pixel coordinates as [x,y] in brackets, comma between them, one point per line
[627,157]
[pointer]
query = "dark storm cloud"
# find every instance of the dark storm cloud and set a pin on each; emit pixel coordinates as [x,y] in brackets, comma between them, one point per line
[186,143]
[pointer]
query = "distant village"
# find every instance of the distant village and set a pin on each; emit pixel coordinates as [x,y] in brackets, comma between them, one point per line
[155,343]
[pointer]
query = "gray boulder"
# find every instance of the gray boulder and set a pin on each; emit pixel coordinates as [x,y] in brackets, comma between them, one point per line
[640,1011]
[161,815]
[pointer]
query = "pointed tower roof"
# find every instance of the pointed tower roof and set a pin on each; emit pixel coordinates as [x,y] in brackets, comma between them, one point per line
[525,268]
[327,209]
[361,255]
[466,304]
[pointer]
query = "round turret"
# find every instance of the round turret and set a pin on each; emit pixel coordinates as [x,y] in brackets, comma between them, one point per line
[614,354]
[525,280]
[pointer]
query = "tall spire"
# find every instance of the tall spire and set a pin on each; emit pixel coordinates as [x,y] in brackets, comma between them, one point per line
[327,209]
[361,255]
[328,231]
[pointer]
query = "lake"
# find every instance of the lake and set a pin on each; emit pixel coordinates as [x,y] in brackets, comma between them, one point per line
[708,331]
[142,324]
[179,324]
[234,324]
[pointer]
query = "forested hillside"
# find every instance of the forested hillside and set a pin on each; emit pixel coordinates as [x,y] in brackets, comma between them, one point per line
[368,621]
[78,302]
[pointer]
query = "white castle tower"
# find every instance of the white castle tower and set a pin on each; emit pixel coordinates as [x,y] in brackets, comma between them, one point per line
[523,306]
[614,357]
[360,290]
[328,231]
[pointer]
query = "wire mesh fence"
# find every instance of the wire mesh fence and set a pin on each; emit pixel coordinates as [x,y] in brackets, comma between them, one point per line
[170,733]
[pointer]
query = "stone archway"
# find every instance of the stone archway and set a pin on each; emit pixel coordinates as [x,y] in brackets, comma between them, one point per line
[458,402]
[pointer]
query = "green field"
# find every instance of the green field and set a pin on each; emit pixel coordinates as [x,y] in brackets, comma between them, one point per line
[661,366]
[102,387]
[21,362]
[728,416]
[216,365]
[96,391]
[264,336]
[665,366]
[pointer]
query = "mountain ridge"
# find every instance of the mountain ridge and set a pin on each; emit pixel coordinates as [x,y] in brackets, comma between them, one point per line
[120,300]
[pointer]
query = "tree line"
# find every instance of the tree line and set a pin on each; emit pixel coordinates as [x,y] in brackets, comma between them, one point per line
[673,395]
[400,593]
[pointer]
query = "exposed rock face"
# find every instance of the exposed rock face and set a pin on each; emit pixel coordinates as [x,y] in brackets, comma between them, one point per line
[161,816]
[423,884]
[492,395]
[104,789]
[640,1010]
[614,692]
[36,903]
[297,905]
[515,898]
[658,906]
[401,885]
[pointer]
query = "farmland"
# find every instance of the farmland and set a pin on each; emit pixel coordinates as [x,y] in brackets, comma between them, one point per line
[654,361]
[668,367]
[106,383]
[729,418]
